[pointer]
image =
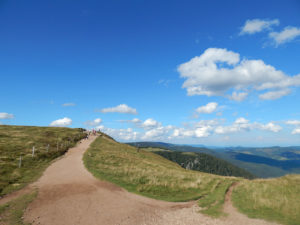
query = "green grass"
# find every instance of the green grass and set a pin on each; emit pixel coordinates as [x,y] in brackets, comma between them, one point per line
[16,141]
[275,199]
[12,212]
[153,176]
[215,199]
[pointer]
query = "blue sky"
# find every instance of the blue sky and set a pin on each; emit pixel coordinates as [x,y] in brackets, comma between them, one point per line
[192,72]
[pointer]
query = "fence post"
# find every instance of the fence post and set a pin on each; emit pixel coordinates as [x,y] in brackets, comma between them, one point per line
[47,147]
[33,150]
[20,162]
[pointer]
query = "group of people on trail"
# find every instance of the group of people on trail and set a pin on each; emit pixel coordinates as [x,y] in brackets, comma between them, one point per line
[91,132]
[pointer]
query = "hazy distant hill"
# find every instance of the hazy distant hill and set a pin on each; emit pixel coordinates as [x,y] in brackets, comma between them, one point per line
[262,162]
[174,147]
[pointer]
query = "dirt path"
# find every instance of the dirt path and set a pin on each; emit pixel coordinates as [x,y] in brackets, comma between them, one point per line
[70,195]
[234,215]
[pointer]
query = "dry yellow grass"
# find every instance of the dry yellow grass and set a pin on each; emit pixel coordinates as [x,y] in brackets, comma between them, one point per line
[151,175]
[275,199]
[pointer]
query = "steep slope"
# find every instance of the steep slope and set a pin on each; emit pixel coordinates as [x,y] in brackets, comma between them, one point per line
[204,163]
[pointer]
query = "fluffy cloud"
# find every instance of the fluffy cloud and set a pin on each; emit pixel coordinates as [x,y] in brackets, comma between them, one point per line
[293,122]
[212,122]
[150,123]
[272,95]
[219,71]
[239,124]
[271,127]
[158,133]
[238,96]
[64,122]
[68,104]
[208,108]
[147,124]
[93,123]
[242,124]
[286,35]
[257,25]
[296,131]
[241,120]
[135,120]
[4,115]
[120,134]
[198,132]
[123,108]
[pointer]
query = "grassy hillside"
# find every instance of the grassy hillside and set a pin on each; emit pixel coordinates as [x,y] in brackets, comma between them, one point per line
[148,174]
[272,199]
[18,141]
[204,163]
[151,175]
[11,213]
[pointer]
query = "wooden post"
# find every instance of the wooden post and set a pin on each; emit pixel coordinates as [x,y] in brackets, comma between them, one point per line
[20,162]
[48,148]
[33,150]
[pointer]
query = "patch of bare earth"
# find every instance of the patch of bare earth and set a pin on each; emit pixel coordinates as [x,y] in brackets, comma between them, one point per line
[69,194]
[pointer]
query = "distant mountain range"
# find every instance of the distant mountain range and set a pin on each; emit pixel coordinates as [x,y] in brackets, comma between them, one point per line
[263,162]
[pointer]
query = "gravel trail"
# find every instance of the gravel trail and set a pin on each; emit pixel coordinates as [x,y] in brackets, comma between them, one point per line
[70,195]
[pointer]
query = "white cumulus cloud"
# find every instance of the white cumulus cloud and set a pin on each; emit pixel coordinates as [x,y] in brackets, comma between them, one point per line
[296,131]
[286,35]
[64,122]
[4,115]
[120,134]
[208,108]
[155,133]
[271,127]
[198,132]
[258,25]
[93,123]
[123,108]
[219,71]
[150,123]
[272,95]
[241,120]
[242,124]
[238,96]
[293,122]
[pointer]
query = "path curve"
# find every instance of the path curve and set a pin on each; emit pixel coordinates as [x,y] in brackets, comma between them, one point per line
[70,195]
[235,215]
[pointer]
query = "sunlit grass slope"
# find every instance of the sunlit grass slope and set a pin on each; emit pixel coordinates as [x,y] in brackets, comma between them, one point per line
[275,199]
[151,175]
[18,141]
